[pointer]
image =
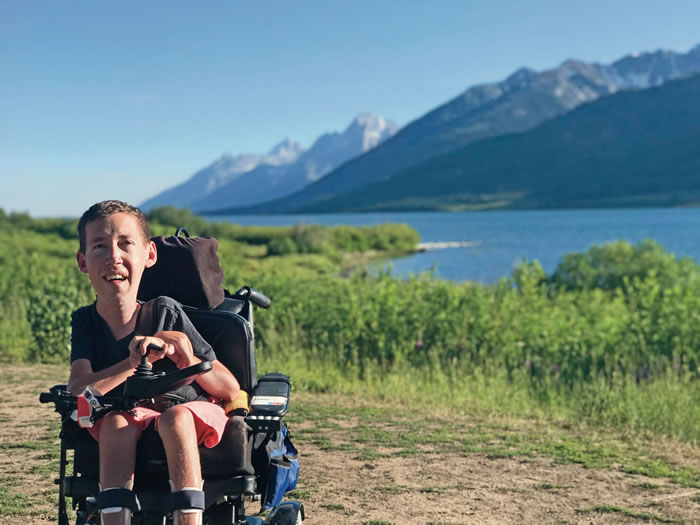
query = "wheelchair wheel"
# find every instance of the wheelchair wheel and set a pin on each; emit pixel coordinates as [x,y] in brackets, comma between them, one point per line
[287,513]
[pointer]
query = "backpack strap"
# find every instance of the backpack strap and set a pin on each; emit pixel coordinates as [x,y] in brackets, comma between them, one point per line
[146,325]
[145,318]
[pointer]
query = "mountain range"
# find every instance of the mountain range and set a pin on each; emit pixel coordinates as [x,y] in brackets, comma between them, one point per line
[519,103]
[633,148]
[523,101]
[252,178]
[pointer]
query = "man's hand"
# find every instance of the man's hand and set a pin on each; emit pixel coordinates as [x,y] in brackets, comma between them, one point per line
[183,353]
[139,344]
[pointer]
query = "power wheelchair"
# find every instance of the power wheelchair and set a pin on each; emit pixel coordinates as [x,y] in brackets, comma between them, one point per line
[234,471]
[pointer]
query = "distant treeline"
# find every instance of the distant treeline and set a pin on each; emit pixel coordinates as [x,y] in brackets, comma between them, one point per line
[281,240]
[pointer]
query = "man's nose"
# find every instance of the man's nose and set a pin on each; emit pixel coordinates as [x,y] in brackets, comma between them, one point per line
[116,253]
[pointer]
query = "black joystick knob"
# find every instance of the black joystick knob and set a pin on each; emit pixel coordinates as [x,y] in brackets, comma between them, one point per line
[143,369]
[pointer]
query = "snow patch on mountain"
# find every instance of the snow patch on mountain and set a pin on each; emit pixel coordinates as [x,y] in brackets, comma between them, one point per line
[287,167]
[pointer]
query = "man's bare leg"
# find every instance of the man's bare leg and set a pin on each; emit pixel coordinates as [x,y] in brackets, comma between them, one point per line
[177,430]
[118,438]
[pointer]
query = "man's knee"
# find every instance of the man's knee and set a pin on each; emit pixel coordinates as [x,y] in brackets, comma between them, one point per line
[177,420]
[117,424]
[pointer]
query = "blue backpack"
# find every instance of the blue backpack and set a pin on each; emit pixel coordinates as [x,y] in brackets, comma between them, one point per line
[283,468]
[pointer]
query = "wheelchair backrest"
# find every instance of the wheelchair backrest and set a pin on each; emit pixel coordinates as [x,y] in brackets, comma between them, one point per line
[231,336]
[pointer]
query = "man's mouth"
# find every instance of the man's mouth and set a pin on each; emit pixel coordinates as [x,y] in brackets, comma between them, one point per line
[115,277]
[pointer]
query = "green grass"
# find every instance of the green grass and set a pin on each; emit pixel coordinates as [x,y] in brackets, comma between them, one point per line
[30,445]
[412,432]
[333,506]
[300,494]
[614,509]
[392,489]
[367,454]
[550,486]
[337,507]
[432,490]
[13,504]
[49,468]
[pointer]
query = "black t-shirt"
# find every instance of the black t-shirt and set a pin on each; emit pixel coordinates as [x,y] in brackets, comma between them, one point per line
[92,339]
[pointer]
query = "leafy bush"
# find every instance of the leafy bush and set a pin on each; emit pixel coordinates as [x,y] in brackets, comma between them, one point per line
[15,331]
[611,265]
[51,302]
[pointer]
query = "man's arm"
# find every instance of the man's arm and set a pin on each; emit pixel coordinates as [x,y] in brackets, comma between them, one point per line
[81,375]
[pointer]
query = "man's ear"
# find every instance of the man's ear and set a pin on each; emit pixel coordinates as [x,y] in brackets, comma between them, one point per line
[152,254]
[82,264]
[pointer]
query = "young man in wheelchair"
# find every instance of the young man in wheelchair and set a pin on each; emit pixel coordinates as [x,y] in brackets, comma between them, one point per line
[115,249]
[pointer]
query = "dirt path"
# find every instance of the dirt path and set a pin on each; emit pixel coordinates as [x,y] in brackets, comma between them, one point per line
[368,463]
[455,489]
[405,474]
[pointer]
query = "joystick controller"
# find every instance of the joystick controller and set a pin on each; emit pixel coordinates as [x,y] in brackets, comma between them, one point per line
[146,384]
[144,369]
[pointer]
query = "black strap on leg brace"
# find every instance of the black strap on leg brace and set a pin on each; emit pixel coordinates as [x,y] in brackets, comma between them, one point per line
[118,497]
[183,500]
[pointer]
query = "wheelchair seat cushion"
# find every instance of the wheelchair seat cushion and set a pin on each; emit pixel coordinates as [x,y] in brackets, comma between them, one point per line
[231,457]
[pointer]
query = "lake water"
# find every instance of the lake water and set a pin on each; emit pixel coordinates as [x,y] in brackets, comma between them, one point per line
[504,238]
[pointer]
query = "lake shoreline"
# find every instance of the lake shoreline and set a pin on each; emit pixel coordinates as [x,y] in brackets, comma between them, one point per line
[502,239]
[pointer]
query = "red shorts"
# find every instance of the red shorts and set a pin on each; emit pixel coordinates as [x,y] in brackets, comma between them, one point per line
[209,421]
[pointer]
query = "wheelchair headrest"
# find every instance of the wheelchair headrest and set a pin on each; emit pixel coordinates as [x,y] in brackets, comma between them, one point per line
[187,270]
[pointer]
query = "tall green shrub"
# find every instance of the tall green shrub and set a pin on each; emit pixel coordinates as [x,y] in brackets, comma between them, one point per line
[51,301]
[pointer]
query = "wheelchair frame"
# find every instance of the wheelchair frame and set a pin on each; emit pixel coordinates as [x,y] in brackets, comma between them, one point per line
[229,330]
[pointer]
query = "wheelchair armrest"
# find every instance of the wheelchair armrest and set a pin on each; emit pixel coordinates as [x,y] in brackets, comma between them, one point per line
[271,395]
[64,402]
[269,402]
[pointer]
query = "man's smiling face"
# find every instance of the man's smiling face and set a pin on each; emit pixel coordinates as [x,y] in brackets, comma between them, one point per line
[115,257]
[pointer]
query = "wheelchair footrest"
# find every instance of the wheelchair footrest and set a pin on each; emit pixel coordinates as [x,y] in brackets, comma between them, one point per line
[238,485]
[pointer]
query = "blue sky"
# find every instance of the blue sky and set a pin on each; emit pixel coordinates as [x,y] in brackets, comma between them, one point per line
[123,99]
